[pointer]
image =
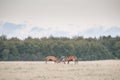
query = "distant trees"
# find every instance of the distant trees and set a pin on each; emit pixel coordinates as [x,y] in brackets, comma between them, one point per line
[117,49]
[105,47]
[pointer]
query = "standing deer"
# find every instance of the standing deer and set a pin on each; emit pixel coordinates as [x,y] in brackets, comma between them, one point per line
[51,58]
[70,58]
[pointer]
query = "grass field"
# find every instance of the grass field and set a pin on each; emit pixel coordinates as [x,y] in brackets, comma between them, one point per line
[84,70]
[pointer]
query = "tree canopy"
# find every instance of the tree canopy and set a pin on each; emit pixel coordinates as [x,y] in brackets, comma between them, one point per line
[34,49]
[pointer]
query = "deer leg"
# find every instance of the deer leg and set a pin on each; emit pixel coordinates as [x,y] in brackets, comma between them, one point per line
[68,62]
[63,62]
[46,61]
[76,61]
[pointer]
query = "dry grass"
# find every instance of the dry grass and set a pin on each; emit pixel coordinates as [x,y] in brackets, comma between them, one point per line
[84,70]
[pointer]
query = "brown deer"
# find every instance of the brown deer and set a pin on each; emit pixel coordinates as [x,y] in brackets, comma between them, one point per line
[70,58]
[51,58]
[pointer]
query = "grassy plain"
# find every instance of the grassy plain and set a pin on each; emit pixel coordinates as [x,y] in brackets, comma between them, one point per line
[38,70]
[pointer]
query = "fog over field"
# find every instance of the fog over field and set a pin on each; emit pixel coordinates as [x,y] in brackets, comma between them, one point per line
[84,70]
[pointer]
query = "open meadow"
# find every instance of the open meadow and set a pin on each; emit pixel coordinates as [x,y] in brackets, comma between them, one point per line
[38,70]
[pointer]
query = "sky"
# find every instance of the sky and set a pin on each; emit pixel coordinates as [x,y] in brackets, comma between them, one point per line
[59,18]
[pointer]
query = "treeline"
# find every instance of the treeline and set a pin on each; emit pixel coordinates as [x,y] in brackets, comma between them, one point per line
[35,49]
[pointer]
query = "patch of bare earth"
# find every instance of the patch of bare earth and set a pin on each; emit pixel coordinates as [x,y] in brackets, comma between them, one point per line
[84,70]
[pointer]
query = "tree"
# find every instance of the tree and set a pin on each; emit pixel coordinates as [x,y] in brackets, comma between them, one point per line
[117,49]
[3,38]
[5,54]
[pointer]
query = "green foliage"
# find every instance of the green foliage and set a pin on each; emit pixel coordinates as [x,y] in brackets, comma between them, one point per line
[117,48]
[14,49]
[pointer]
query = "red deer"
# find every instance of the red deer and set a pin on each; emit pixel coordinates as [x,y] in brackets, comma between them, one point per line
[70,58]
[51,58]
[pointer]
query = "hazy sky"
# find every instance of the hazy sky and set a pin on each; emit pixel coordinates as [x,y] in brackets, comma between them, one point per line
[59,17]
